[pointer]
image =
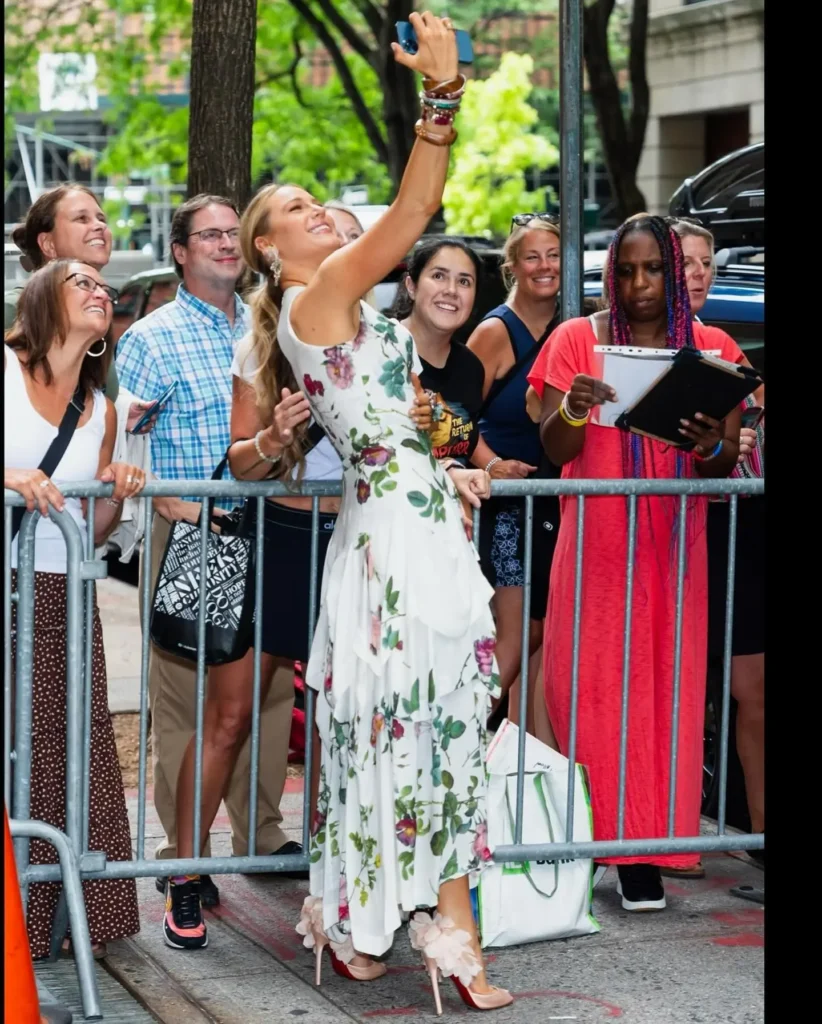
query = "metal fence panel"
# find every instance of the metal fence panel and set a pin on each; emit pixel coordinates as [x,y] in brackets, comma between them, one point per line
[79,583]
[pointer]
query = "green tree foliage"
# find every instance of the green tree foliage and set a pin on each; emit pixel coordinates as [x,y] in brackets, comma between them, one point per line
[355,129]
[495,150]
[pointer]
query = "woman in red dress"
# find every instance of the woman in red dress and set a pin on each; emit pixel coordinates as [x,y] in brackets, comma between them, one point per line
[649,307]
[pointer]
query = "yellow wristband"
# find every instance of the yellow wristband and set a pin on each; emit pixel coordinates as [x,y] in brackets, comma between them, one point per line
[569,419]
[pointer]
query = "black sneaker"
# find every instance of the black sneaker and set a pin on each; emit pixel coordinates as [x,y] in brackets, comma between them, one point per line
[183,925]
[209,893]
[290,848]
[640,886]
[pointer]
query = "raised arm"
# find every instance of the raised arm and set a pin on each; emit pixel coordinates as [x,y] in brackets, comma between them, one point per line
[349,273]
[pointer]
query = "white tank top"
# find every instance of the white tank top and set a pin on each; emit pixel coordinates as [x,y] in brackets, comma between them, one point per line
[27,439]
[322,462]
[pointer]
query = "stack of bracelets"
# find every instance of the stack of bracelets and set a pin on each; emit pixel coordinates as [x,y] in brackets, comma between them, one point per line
[440,103]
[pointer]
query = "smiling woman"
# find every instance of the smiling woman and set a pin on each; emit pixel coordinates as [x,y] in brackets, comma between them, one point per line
[507,343]
[66,222]
[56,357]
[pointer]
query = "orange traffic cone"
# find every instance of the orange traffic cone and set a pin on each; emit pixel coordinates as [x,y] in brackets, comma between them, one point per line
[21,1003]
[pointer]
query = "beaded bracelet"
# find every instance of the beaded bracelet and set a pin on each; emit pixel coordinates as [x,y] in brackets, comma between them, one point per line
[430,101]
[263,457]
[438,117]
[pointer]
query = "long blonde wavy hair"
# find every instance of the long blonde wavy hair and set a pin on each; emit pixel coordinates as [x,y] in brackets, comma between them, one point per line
[274,370]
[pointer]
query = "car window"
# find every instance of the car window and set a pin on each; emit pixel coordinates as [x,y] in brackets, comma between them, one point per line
[746,172]
[126,310]
[749,336]
[127,300]
[160,293]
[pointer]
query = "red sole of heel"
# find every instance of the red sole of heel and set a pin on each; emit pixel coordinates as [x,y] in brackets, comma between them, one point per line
[339,967]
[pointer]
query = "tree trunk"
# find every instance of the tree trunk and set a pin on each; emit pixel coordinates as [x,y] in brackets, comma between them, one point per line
[221,113]
[400,104]
[621,142]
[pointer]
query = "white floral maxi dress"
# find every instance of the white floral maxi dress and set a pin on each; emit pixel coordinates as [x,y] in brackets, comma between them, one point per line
[403,655]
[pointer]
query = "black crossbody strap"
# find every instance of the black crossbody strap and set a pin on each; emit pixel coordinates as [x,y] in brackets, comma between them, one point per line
[56,450]
[500,385]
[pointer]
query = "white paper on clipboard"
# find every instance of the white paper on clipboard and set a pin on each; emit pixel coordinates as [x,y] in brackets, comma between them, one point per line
[630,371]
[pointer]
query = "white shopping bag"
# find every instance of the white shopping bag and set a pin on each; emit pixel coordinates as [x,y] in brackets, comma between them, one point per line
[535,900]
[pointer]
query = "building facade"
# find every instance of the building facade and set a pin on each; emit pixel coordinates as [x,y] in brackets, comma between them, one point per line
[706,65]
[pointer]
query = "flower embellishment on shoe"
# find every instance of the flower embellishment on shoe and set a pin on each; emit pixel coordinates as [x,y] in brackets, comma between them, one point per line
[438,939]
[310,926]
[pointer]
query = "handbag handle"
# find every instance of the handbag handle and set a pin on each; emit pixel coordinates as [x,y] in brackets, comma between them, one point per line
[526,864]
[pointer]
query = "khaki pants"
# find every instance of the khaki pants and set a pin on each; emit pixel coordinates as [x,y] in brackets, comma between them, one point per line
[172,689]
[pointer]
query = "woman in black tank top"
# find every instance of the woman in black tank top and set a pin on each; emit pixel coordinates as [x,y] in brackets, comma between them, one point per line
[507,342]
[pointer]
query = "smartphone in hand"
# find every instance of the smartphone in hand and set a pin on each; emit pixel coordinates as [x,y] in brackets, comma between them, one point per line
[752,417]
[154,408]
[407,38]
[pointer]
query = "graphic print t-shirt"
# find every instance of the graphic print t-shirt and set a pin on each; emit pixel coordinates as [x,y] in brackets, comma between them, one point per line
[456,390]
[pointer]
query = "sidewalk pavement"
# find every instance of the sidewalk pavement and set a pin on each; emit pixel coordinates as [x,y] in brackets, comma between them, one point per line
[699,962]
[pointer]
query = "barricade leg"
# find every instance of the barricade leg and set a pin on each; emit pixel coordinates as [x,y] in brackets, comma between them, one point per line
[80,937]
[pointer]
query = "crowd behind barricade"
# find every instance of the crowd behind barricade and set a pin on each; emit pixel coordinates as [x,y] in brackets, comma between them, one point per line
[304,380]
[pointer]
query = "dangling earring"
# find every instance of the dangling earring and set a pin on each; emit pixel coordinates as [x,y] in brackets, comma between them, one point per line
[275,264]
[96,355]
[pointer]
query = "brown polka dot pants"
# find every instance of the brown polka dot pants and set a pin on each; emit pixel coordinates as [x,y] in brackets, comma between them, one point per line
[111,905]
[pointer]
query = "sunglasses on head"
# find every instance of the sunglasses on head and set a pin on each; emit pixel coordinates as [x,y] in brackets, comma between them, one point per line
[693,221]
[521,219]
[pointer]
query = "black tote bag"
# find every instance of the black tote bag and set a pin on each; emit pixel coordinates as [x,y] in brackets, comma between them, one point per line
[230,564]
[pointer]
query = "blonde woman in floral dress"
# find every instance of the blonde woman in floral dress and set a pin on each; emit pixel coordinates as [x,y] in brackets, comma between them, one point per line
[403,656]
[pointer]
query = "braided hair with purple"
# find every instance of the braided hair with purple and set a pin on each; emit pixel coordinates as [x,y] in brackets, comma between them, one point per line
[679,330]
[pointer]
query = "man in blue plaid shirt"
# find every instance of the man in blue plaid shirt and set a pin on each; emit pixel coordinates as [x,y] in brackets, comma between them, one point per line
[191,340]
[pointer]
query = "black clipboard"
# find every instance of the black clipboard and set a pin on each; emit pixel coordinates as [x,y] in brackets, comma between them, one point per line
[694,382]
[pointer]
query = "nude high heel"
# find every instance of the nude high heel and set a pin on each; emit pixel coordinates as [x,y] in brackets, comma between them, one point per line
[310,926]
[446,950]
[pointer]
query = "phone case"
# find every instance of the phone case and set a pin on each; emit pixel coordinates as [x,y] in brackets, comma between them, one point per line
[407,38]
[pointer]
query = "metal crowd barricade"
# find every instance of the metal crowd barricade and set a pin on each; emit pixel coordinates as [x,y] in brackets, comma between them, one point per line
[82,570]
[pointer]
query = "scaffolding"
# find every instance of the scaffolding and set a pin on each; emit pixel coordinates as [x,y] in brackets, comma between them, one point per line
[39,160]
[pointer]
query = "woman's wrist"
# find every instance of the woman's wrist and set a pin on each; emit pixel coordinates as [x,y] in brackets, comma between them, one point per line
[268,445]
[571,416]
[712,454]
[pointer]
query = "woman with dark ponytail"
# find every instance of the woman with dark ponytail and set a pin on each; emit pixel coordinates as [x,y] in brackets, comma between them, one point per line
[649,307]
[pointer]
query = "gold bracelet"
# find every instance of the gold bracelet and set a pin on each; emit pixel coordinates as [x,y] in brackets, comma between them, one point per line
[421,131]
[565,413]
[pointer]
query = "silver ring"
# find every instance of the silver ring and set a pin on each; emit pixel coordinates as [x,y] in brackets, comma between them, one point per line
[129,479]
[44,483]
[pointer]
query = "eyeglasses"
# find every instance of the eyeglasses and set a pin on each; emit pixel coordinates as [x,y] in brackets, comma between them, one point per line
[521,219]
[210,235]
[88,284]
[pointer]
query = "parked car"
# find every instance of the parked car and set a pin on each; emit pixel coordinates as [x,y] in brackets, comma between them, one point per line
[728,197]
[140,295]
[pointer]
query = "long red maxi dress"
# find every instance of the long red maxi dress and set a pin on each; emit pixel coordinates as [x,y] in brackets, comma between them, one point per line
[570,351]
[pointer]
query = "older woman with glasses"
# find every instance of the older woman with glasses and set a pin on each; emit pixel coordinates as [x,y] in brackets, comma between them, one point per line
[56,360]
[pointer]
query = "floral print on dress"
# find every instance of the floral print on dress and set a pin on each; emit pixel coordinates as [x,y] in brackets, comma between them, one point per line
[403,659]
[339,367]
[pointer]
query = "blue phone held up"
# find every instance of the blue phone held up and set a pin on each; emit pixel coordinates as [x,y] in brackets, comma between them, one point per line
[407,38]
[156,407]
